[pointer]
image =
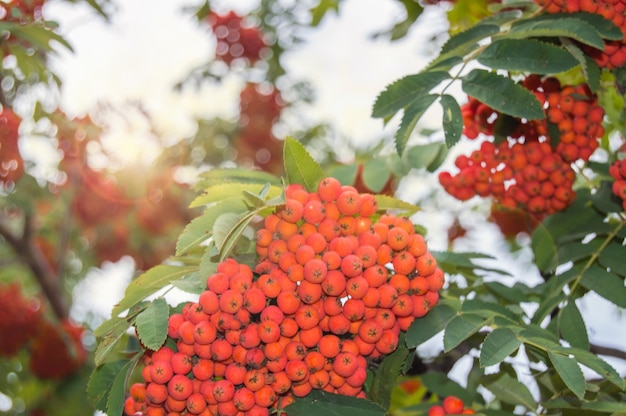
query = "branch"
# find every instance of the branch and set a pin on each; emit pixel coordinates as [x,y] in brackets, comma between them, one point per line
[608,351]
[33,258]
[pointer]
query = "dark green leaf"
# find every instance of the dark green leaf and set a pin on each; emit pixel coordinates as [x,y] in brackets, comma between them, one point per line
[100,381]
[387,375]
[460,328]
[502,94]
[452,119]
[515,294]
[603,406]
[568,27]
[441,385]
[612,257]
[570,372]
[526,55]
[572,326]
[321,403]
[603,199]
[597,364]
[498,345]
[405,91]
[605,28]
[150,282]
[462,40]
[606,284]
[590,68]
[152,324]
[117,393]
[300,167]
[423,329]
[577,250]
[510,390]
[411,116]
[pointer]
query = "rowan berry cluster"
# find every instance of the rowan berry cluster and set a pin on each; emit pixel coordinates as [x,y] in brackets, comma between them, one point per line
[11,162]
[614,53]
[618,172]
[331,289]
[19,318]
[55,350]
[450,405]
[21,10]
[259,108]
[235,38]
[529,170]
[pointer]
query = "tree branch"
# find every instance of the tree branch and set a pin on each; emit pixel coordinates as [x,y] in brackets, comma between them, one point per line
[608,351]
[32,257]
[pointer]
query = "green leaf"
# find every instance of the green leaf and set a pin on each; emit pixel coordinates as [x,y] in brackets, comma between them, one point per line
[152,324]
[218,176]
[606,284]
[452,119]
[596,364]
[424,156]
[423,329]
[605,28]
[498,345]
[117,393]
[568,27]
[502,94]
[227,230]
[570,372]
[201,228]
[100,381]
[375,174]
[460,328]
[386,202]
[411,116]
[577,250]
[590,68]
[386,375]
[442,386]
[603,406]
[110,339]
[233,194]
[612,257]
[321,403]
[572,326]
[405,91]
[40,37]
[510,390]
[149,283]
[300,167]
[461,40]
[324,6]
[526,55]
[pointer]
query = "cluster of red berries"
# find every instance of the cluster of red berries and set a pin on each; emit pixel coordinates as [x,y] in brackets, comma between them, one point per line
[618,172]
[19,318]
[260,107]
[11,162]
[450,405]
[332,289]
[614,53]
[530,176]
[21,10]
[527,171]
[55,350]
[236,39]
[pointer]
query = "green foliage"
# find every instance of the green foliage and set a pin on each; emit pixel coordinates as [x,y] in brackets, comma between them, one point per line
[333,404]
